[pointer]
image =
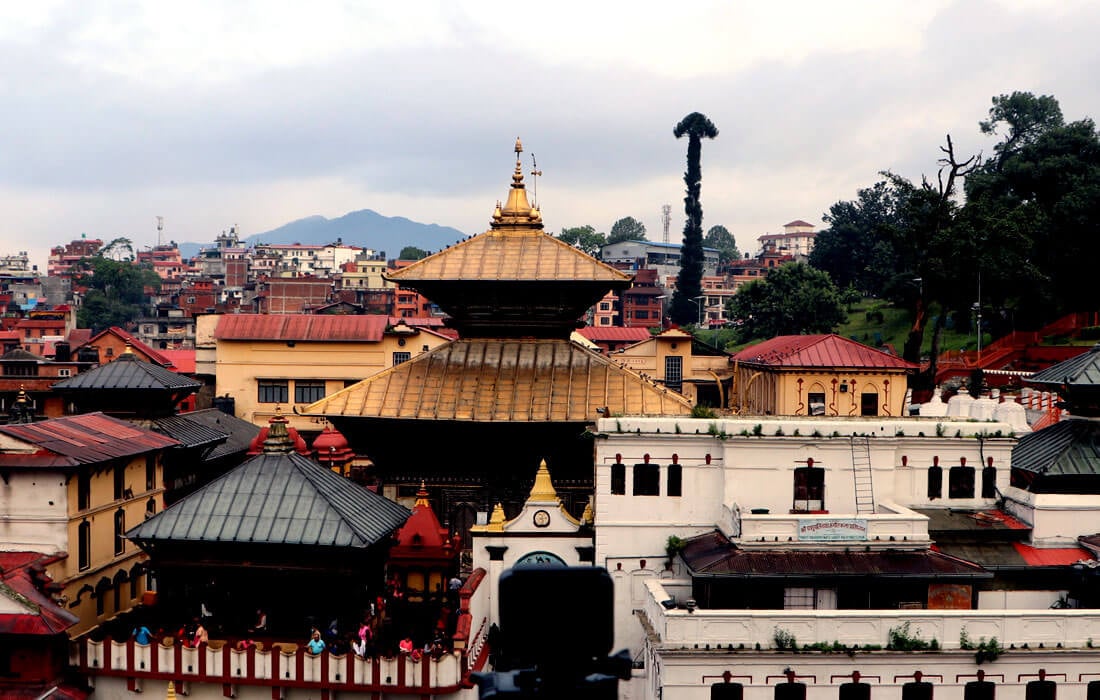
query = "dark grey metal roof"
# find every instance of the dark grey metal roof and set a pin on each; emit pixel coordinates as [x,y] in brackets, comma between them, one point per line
[1069,447]
[1083,370]
[128,372]
[277,498]
[189,432]
[241,433]
[19,355]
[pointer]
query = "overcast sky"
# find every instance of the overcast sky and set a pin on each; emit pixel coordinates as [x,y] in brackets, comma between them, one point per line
[258,113]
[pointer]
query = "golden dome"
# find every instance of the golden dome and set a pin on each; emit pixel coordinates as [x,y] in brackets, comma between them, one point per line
[543,489]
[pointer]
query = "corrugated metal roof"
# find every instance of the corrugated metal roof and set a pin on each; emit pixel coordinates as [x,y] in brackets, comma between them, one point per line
[711,555]
[241,432]
[510,254]
[1083,370]
[301,327]
[944,520]
[89,438]
[1069,447]
[1013,555]
[829,350]
[182,360]
[277,498]
[189,432]
[616,334]
[490,379]
[42,616]
[128,372]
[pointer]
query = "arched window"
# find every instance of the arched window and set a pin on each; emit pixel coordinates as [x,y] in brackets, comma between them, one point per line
[935,480]
[84,545]
[120,531]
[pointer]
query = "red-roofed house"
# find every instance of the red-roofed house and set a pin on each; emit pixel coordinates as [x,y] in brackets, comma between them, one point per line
[113,342]
[818,375]
[612,338]
[72,487]
[33,643]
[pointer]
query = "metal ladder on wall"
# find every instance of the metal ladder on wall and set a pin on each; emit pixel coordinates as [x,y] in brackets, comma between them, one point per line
[861,475]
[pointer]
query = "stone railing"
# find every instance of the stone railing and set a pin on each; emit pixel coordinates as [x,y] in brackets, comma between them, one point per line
[220,664]
[678,627]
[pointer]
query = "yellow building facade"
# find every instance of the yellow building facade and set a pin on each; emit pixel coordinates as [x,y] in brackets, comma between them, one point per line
[674,358]
[818,375]
[75,485]
[289,361]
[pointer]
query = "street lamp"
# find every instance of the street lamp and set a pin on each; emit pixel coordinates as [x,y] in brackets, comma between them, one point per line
[699,306]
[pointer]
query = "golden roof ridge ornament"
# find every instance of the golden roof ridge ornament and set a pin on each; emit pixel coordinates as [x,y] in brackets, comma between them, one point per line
[422,496]
[496,520]
[543,488]
[517,211]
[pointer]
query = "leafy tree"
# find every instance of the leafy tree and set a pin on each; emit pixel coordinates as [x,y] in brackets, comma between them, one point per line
[411,252]
[583,237]
[683,309]
[627,229]
[1039,193]
[793,299]
[115,293]
[719,237]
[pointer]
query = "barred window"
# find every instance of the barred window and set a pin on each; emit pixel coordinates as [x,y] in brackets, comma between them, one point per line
[273,391]
[308,391]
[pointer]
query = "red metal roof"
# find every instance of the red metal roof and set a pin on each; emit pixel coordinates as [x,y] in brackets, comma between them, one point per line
[1058,556]
[303,327]
[89,438]
[616,334]
[183,361]
[18,572]
[819,351]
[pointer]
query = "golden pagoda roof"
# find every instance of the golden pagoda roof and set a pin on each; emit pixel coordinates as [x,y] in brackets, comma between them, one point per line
[543,489]
[504,379]
[515,248]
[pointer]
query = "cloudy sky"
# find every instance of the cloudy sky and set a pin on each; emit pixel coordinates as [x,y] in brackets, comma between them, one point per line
[260,112]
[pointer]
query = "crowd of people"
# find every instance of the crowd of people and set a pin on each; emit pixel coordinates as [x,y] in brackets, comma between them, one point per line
[390,625]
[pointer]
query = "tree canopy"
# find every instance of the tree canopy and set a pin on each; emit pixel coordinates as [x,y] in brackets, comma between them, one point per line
[793,299]
[411,252]
[683,309]
[585,238]
[627,229]
[115,293]
[719,237]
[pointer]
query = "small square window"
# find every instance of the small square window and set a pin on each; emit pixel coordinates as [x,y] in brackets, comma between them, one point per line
[647,480]
[308,391]
[273,391]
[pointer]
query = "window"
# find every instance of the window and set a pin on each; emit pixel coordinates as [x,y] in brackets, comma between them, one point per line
[150,472]
[151,507]
[64,372]
[808,598]
[120,531]
[308,391]
[273,391]
[960,482]
[605,306]
[989,482]
[809,489]
[605,321]
[647,480]
[618,479]
[868,404]
[816,405]
[110,352]
[675,480]
[84,491]
[674,372]
[119,480]
[84,545]
[641,314]
[935,481]
[399,357]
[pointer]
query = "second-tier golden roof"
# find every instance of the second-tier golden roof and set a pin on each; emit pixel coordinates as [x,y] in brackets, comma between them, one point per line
[515,248]
[504,380]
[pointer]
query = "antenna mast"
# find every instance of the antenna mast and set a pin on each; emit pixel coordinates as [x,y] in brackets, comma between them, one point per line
[666,218]
[535,174]
[160,229]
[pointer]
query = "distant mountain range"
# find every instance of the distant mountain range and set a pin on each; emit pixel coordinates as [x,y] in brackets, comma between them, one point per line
[364,228]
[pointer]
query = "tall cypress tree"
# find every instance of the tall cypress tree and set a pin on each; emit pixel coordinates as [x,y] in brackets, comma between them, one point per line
[684,309]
